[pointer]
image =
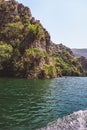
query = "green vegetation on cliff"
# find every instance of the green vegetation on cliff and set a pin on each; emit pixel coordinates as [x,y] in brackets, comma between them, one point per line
[26,49]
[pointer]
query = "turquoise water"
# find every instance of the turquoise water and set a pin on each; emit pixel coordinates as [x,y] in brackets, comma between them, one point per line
[31,104]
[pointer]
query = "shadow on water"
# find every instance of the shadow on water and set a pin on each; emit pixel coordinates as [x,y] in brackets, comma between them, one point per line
[31,104]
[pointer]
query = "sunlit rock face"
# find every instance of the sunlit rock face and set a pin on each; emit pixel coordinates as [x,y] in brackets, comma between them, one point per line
[75,121]
[33,53]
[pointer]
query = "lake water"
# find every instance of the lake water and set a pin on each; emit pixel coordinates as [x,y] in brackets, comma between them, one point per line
[31,104]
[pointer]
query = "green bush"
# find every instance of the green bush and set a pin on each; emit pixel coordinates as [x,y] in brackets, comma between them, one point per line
[49,70]
[34,31]
[5,51]
[12,31]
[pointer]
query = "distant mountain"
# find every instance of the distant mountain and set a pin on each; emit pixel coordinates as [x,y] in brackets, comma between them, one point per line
[80,52]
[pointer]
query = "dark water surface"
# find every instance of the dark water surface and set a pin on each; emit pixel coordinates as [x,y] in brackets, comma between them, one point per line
[31,104]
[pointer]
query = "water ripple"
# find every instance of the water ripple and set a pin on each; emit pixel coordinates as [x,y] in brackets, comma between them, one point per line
[31,104]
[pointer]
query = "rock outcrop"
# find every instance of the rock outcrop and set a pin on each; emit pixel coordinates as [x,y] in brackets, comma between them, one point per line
[26,49]
[75,121]
[81,55]
[83,61]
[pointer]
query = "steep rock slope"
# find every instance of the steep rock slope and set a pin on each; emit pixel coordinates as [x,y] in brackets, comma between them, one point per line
[26,49]
[81,54]
[83,61]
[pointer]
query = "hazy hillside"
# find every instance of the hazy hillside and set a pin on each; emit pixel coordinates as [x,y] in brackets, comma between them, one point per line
[80,52]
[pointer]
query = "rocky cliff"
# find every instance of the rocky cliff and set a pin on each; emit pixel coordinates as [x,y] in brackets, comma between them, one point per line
[26,49]
[83,62]
[81,54]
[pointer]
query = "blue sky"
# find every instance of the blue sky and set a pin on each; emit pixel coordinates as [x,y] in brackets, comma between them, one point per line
[65,20]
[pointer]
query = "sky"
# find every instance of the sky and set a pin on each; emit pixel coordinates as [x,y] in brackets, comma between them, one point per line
[65,20]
